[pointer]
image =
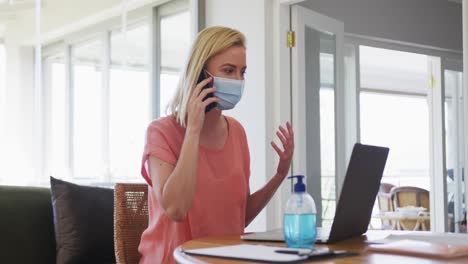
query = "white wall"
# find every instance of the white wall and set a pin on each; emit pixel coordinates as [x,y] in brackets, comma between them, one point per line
[436,23]
[19,106]
[2,30]
[249,17]
[18,162]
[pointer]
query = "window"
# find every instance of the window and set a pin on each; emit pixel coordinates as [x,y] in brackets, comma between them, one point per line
[327,137]
[3,117]
[175,42]
[405,131]
[102,97]
[55,71]
[2,73]
[394,112]
[129,100]
[2,83]
[87,125]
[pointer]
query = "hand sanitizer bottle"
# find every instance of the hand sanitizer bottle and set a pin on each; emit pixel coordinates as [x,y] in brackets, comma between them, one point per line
[299,223]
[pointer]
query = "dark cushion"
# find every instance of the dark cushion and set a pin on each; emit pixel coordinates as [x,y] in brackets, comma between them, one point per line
[26,225]
[84,221]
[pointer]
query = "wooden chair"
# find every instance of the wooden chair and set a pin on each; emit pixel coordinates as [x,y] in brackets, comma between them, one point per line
[411,196]
[384,198]
[130,220]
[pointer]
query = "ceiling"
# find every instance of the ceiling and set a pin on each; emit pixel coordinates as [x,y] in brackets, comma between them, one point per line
[11,9]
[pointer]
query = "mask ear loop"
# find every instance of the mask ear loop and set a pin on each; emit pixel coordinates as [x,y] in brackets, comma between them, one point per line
[206,71]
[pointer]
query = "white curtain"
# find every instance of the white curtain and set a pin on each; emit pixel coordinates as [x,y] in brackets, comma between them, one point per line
[20,104]
[3,109]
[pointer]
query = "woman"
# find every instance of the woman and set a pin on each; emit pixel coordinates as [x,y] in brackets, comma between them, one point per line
[198,159]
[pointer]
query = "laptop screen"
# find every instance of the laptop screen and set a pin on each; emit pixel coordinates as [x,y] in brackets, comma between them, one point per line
[358,193]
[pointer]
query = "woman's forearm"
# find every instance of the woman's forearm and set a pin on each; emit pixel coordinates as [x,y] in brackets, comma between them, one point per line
[179,190]
[257,201]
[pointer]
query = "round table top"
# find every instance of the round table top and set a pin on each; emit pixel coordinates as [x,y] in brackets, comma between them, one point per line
[357,245]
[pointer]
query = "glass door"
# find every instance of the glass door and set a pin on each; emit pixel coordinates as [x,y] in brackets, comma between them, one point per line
[454,142]
[317,108]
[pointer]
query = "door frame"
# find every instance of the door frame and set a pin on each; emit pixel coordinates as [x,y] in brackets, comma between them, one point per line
[456,65]
[302,16]
[437,164]
[279,104]
[282,103]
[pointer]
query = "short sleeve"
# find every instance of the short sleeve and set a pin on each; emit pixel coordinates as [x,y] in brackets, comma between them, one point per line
[159,144]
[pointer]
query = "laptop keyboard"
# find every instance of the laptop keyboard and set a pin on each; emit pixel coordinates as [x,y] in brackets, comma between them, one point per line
[277,235]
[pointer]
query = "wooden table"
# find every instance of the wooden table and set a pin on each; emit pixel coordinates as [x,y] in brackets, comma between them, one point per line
[357,245]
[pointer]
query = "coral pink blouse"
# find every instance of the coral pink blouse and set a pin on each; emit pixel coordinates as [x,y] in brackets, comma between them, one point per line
[221,194]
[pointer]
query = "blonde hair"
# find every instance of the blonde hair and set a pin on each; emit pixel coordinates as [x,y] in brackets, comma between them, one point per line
[208,43]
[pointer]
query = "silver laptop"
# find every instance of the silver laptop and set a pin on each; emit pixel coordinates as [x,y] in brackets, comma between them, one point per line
[354,208]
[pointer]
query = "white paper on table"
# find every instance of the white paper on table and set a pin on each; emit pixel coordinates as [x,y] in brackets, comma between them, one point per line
[440,238]
[247,252]
[426,244]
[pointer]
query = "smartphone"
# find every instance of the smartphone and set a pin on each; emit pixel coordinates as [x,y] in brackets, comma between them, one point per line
[202,77]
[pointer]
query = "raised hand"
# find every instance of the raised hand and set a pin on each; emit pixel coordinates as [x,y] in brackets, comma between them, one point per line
[285,156]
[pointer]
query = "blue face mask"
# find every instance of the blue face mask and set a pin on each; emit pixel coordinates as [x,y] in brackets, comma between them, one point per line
[229,91]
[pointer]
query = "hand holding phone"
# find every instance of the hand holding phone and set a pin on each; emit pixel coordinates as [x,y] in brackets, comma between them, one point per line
[198,103]
[202,77]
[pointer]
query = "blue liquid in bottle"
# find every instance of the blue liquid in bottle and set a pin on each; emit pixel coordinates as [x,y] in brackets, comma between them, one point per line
[299,230]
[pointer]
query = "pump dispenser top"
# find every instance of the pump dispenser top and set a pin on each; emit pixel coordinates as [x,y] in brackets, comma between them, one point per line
[299,186]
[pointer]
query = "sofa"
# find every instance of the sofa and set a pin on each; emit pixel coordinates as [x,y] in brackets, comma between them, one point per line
[66,223]
[26,225]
